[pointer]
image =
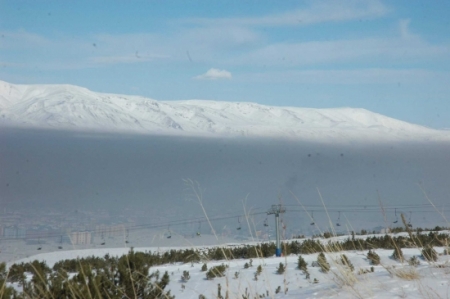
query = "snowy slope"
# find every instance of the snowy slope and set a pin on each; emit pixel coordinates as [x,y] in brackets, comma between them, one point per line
[76,108]
[432,279]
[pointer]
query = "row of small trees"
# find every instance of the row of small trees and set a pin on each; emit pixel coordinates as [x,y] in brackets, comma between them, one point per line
[428,254]
[115,278]
[315,246]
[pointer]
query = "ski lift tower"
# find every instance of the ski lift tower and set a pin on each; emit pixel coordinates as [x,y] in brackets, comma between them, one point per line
[277,210]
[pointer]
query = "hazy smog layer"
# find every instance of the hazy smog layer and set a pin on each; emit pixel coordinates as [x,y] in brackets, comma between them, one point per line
[143,175]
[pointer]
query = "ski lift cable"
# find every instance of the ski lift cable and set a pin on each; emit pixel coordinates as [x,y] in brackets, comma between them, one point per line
[347,208]
[365,205]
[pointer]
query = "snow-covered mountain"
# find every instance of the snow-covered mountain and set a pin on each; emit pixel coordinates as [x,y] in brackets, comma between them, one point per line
[77,108]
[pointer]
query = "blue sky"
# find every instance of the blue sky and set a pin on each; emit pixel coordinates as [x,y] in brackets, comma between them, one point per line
[391,57]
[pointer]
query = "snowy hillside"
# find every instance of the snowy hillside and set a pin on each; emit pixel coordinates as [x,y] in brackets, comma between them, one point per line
[76,108]
[389,279]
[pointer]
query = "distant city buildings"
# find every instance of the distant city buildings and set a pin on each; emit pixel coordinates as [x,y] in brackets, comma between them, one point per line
[75,226]
[14,232]
[80,238]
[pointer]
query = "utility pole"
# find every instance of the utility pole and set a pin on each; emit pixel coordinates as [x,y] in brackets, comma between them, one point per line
[277,210]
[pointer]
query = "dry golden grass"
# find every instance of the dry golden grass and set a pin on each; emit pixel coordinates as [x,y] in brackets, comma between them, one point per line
[405,273]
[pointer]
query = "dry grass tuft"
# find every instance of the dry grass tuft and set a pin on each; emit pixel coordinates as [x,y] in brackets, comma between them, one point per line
[405,273]
[344,277]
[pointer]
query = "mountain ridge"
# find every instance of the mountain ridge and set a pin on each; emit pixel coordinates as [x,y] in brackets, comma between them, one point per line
[71,107]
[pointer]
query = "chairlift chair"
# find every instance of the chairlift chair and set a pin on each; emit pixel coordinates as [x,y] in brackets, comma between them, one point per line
[338,223]
[409,221]
[126,238]
[170,233]
[396,217]
[103,240]
[239,223]
[266,223]
[60,243]
[199,229]
[312,218]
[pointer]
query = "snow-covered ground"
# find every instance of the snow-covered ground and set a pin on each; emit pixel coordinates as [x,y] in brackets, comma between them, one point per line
[432,280]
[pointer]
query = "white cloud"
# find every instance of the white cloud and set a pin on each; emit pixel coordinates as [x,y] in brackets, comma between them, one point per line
[220,37]
[381,50]
[214,74]
[317,12]
[230,44]
[204,44]
[404,29]
[135,58]
[352,77]
[83,52]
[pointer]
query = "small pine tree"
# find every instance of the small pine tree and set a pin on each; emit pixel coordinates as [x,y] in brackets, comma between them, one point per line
[281,268]
[398,254]
[185,277]
[302,265]
[327,235]
[414,261]
[323,264]
[204,267]
[346,262]
[373,257]
[216,271]
[429,254]
[246,266]
[259,269]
